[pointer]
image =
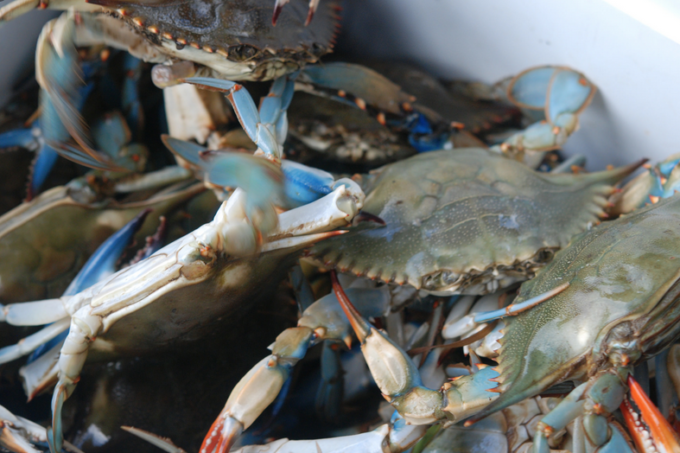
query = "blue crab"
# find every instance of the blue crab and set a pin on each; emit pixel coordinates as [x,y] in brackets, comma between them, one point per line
[627,271]
[467,221]
[228,38]
[217,259]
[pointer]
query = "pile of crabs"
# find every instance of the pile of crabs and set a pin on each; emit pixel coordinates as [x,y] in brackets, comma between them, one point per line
[428,271]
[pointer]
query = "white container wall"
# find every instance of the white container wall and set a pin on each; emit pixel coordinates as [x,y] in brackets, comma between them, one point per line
[629,48]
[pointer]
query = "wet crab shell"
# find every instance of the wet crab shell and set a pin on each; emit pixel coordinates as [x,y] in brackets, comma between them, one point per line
[623,298]
[467,221]
[216,32]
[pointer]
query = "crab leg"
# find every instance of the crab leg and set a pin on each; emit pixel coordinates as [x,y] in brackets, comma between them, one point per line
[268,129]
[515,309]
[400,382]
[83,330]
[329,395]
[457,324]
[596,400]
[323,320]
[366,89]
[30,343]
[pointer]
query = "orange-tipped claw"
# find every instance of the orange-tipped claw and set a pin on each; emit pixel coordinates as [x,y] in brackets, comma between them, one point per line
[360,326]
[661,431]
[222,435]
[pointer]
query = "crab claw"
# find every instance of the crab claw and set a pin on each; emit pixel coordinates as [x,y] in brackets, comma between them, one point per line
[661,431]
[393,371]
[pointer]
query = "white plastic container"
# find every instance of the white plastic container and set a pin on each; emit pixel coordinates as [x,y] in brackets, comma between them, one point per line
[629,48]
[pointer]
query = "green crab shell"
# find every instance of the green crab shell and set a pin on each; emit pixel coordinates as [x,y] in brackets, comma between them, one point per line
[240,31]
[467,221]
[623,293]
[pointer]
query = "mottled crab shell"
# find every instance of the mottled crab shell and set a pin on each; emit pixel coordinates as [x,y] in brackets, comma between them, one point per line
[467,221]
[623,298]
[219,32]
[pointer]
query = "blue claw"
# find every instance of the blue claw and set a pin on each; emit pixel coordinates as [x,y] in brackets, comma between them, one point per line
[561,93]
[530,88]
[305,184]
[555,89]
[261,180]
[570,92]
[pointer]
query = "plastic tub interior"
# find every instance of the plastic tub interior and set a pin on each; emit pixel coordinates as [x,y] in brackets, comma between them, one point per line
[629,48]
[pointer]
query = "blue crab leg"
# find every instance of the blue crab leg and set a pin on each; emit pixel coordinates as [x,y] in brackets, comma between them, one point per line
[399,380]
[322,321]
[303,290]
[31,342]
[595,400]
[43,163]
[515,309]
[247,113]
[24,138]
[459,324]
